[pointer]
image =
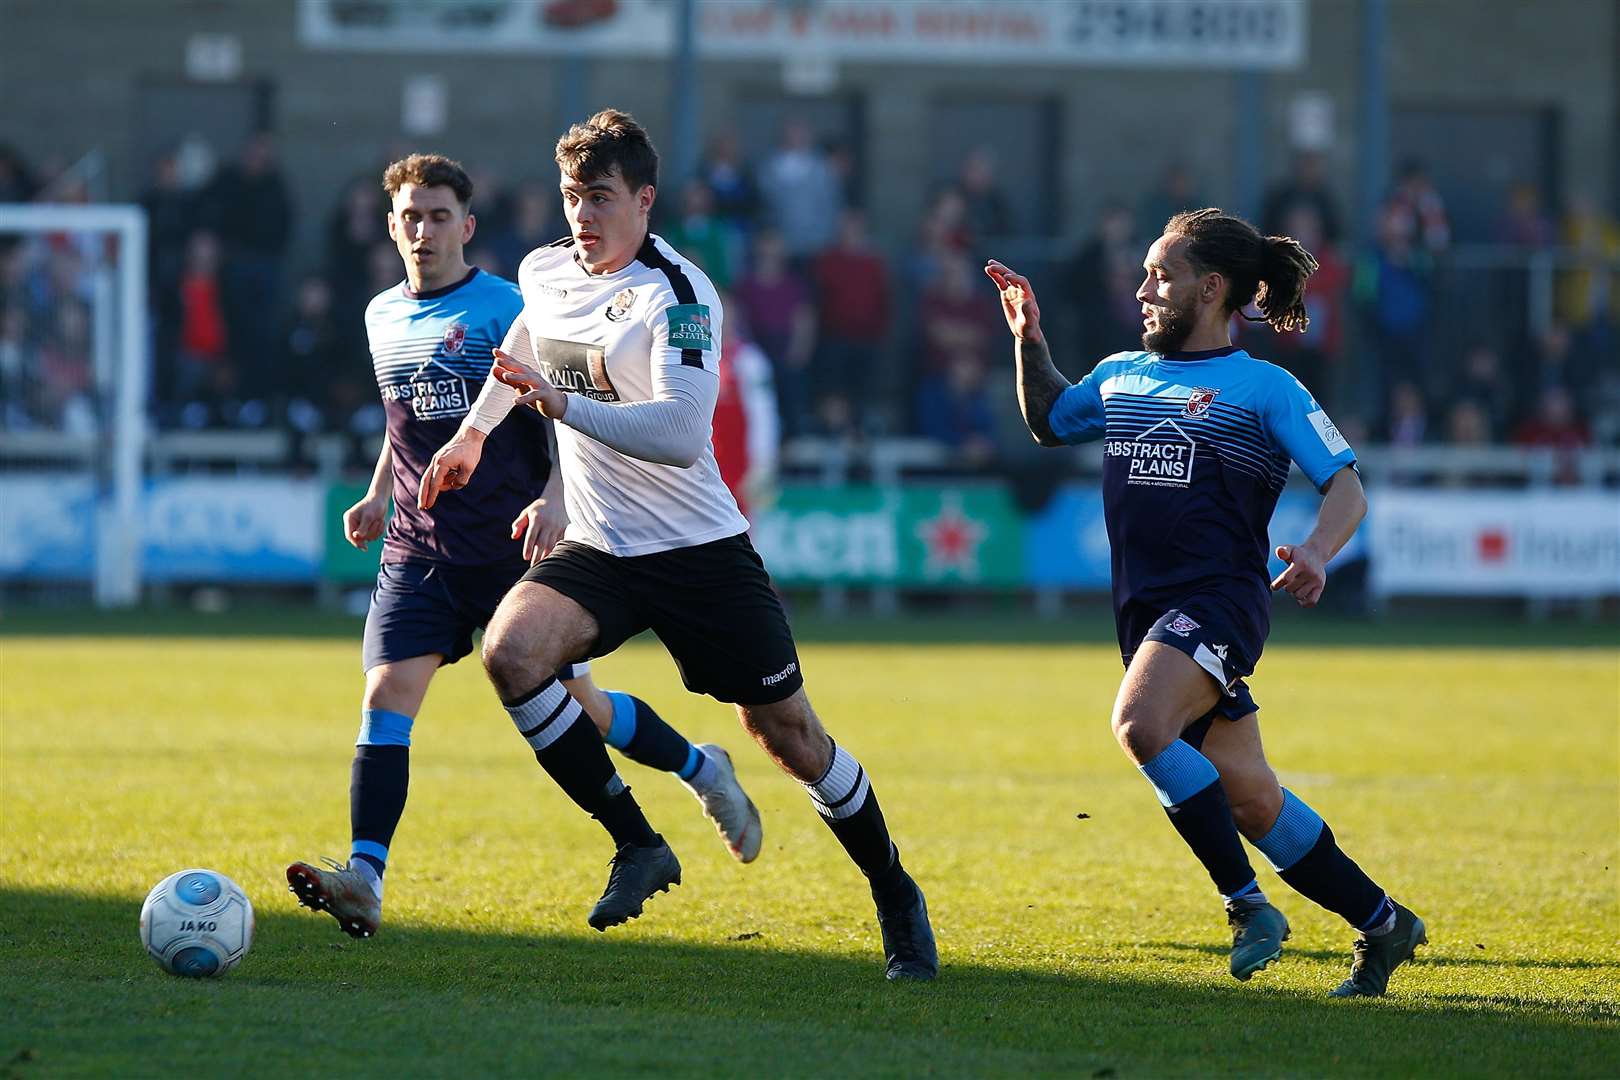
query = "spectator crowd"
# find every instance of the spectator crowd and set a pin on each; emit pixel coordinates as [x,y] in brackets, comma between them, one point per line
[1407,344]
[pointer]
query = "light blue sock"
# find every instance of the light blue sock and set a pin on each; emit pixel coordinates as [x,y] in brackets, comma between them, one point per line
[1293,835]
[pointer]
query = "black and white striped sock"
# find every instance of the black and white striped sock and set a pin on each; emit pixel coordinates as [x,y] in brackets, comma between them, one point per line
[574,755]
[845,800]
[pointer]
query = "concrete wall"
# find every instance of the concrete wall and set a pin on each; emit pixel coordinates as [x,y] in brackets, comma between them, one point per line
[70,72]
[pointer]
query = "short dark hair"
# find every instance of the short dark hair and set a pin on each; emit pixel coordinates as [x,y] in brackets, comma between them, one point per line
[1270,271]
[429,170]
[609,142]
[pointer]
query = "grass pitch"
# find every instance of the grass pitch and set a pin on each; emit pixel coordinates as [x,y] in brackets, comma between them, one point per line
[1473,772]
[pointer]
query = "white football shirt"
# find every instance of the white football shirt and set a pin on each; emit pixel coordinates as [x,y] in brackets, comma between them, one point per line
[614,339]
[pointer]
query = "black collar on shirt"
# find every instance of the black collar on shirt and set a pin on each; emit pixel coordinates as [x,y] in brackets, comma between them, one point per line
[434,294]
[1201,354]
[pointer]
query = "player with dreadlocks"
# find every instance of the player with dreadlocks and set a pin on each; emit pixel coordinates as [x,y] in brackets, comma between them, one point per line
[1197,440]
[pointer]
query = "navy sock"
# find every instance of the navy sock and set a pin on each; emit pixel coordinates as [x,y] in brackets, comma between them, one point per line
[378,781]
[1302,849]
[576,758]
[647,738]
[844,799]
[1190,790]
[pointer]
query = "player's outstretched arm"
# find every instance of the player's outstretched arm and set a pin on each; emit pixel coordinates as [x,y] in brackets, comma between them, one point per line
[1039,382]
[1343,507]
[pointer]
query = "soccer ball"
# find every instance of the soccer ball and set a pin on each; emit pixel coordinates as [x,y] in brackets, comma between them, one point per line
[197,923]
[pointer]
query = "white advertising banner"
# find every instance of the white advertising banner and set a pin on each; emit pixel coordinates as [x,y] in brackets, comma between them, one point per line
[1523,543]
[1158,33]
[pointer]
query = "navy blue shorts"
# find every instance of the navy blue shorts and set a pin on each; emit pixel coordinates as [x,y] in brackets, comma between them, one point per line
[1201,628]
[421,608]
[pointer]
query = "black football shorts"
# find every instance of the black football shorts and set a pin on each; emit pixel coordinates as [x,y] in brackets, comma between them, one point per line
[712,605]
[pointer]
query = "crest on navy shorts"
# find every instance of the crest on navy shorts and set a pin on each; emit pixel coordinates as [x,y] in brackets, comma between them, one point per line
[618,308]
[455,336]
[1181,625]
[1199,401]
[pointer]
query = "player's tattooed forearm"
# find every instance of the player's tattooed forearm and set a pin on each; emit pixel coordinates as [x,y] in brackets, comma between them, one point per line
[1039,385]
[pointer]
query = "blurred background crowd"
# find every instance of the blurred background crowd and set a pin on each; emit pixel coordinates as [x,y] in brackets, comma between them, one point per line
[1406,345]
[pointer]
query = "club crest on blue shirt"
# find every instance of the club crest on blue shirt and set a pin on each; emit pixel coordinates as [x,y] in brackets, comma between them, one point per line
[618,308]
[455,336]
[1199,401]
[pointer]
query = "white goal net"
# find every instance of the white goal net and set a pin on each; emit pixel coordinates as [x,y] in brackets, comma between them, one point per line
[74,369]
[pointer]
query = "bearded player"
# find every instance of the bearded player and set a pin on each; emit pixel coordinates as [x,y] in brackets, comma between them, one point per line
[1198,436]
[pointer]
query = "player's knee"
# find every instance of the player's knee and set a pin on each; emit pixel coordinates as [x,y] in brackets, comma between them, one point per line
[1142,735]
[514,662]
[1255,804]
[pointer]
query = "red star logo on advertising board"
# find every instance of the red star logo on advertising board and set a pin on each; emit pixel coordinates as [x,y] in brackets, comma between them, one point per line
[951,540]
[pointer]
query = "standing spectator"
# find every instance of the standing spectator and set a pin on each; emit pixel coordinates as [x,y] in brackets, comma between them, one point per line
[254,211]
[318,381]
[171,215]
[986,211]
[535,221]
[18,368]
[956,318]
[1415,212]
[801,193]
[953,408]
[941,235]
[1407,423]
[1556,425]
[65,371]
[1523,224]
[1467,424]
[1102,278]
[1589,295]
[1305,185]
[355,224]
[1482,382]
[853,296]
[205,375]
[698,233]
[777,304]
[1177,190]
[1393,286]
[736,199]
[1314,354]
[846,174]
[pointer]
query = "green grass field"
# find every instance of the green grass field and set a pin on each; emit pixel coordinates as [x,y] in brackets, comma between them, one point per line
[1472,770]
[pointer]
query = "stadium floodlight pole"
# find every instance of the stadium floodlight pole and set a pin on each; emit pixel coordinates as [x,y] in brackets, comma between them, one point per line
[1372,157]
[684,94]
[118,520]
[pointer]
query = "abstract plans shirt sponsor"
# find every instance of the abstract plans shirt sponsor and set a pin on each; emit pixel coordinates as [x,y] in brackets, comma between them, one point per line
[1196,448]
[431,352]
[601,336]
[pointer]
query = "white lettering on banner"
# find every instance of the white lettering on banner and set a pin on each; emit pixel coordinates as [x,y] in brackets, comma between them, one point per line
[1563,543]
[1159,33]
[822,546]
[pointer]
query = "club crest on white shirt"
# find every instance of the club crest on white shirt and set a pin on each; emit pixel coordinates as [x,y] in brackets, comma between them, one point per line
[618,308]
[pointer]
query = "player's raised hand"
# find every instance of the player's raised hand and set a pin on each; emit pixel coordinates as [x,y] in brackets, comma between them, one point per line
[1017,301]
[540,525]
[363,522]
[535,388]
[1306,575]
[451,467]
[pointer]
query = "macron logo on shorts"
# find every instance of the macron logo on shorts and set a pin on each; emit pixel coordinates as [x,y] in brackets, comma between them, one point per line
[772,680]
